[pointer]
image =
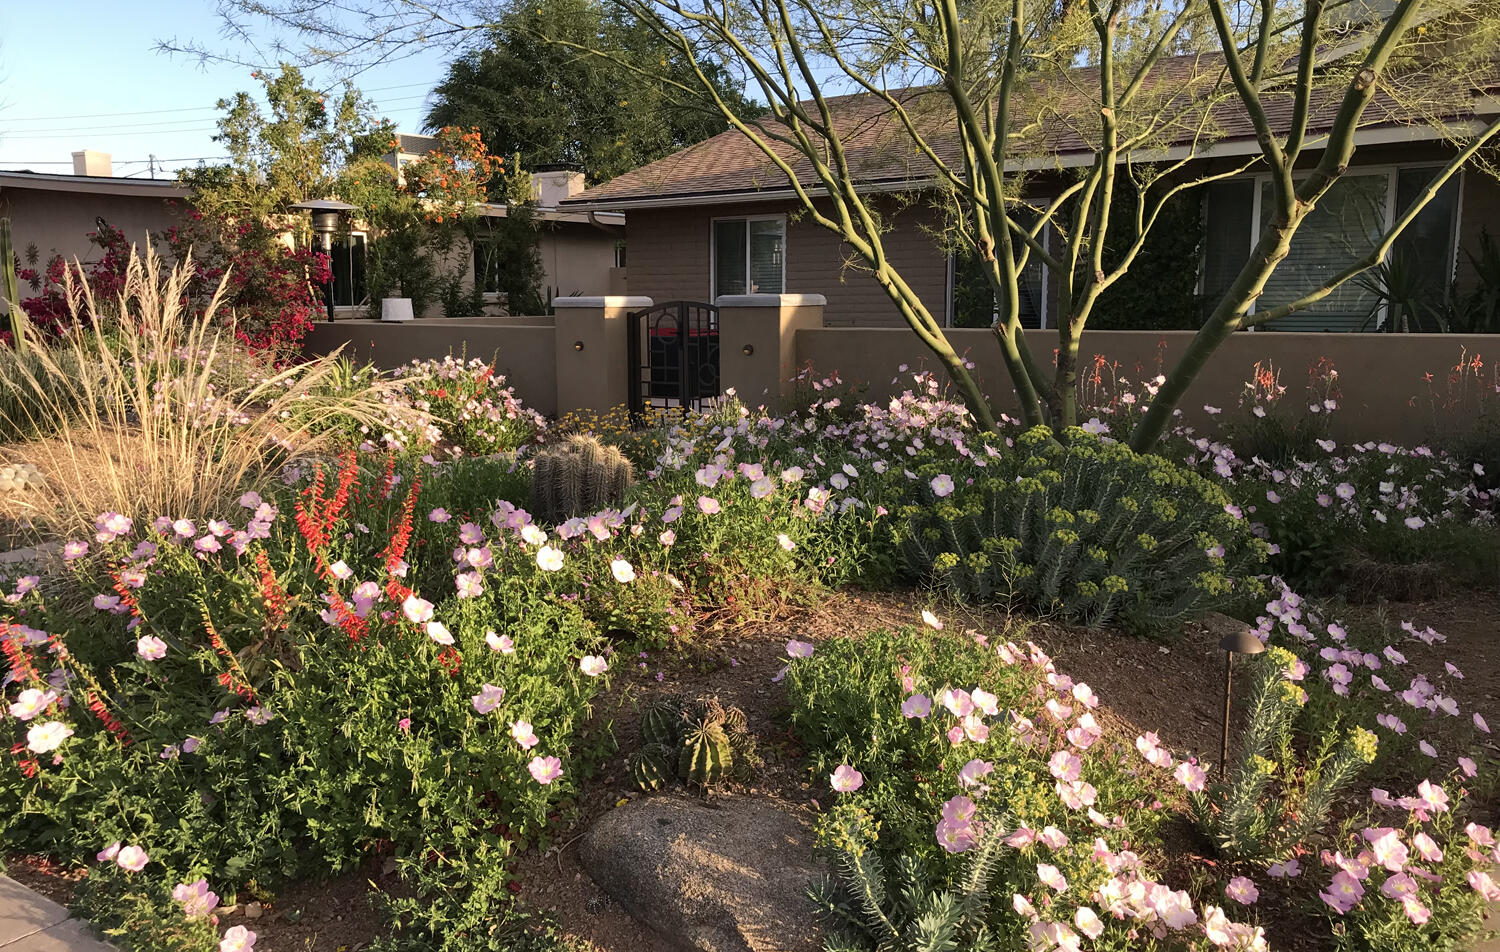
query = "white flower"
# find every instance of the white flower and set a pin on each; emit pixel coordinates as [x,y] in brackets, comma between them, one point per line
[932,621]
[32,702]
[438,632]
[623,571]
[549,559]
[501,643]
[341,570]
[1094,427]
[593,665]
[417,610]
[45,738]
[942,485]
[533,535]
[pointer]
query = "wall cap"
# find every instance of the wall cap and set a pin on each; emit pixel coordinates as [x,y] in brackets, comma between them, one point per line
[770,300]
[613,300]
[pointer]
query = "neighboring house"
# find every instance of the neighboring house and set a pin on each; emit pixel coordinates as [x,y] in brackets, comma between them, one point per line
[719,218]
[583,252]
[52,213]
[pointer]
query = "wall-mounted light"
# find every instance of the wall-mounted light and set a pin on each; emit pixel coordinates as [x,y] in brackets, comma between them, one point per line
[578,345]
[748,349]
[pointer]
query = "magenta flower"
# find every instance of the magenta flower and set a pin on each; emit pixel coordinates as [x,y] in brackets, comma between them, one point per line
[544,770]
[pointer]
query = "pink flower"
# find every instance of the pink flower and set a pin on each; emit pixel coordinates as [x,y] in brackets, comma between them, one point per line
[196,898]
[438,515]
[417,610]
[1065,766]
[1469,768]
[593,665]
[846,779]
[1480,724]
[132,858]
[1088,922]
[942,485]
[918,705]
[1483,884]
[1427,847]
[1051,876]
[1053,838]
[439,633]
[1191,776]
[1291,869]
[974,772]
[799,649]
[501,643]
[488,698]
[785,541]
[958,703]
[405,725]
[1344,892]
[1387,848]
[708,505]
[522,733]
[1433,798]
[544,770]
[1242,890]
[108,853]
[237,939]
[956,836]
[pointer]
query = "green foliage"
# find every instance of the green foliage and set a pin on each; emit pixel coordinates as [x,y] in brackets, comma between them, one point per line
[11,290]
[507,251]
[577,477]
[1086,529]
[703,742]
[1274,798]
[135,912]
[1159,291]
[912,910]
[530,94]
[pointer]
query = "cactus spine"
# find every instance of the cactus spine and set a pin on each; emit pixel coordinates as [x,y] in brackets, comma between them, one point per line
[576,478]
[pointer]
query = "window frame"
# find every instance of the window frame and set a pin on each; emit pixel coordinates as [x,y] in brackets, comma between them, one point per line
[713,258]
[1392,171]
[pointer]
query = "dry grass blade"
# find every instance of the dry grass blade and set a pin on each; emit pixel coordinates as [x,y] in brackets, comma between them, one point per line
[146,409]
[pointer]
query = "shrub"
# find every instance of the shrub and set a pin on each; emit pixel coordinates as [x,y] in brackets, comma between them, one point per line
[466,406]
[275,701]
[1088,530]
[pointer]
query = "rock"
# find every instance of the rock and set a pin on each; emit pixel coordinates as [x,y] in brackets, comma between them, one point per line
[253,910]
[726,876]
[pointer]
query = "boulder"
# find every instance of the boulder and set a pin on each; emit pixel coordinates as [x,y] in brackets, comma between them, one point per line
[729,875]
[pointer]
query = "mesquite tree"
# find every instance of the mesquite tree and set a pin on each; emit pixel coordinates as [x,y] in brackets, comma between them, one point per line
[1027,121]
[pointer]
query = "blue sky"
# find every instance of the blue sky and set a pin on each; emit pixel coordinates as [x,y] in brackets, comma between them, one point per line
[85,74]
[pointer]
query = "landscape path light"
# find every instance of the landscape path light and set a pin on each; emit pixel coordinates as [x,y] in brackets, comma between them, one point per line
[1242,641]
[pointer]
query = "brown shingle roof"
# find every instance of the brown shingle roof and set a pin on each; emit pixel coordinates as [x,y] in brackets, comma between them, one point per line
[1059,118]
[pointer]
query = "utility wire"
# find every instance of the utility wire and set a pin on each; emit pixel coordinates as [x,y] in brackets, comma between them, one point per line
[154,112]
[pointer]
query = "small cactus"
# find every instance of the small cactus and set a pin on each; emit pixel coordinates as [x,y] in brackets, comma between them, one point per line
[650,767]
[576,478]
[706,757]
[702,741]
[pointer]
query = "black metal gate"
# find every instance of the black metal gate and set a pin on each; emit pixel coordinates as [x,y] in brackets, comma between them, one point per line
[673,354]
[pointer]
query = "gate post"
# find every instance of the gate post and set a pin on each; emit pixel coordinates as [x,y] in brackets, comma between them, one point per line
[593,358]
[757,342]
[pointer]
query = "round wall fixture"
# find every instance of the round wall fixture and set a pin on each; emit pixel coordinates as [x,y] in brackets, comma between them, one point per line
[748,349]
[578,345]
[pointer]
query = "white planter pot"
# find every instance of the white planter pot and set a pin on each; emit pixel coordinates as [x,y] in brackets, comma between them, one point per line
[395,309]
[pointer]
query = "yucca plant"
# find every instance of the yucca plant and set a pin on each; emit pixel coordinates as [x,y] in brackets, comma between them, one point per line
[142,408]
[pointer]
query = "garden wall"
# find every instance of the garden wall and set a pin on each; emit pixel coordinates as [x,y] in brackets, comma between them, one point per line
[1385,393]
[522,348]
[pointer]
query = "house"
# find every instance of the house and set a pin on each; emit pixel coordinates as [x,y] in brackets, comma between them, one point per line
[719,218]
[52,213]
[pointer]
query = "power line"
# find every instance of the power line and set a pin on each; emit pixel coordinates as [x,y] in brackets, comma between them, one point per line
[186,124]
[153,112]
[194,158]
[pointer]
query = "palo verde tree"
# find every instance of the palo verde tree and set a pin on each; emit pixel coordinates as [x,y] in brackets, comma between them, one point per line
[1025,122]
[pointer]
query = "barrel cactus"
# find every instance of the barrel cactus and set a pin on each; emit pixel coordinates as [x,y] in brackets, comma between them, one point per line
[651,767]
[702,741]
[577,477]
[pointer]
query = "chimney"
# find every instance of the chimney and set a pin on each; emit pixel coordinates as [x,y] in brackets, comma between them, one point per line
[89,162]
[552,186]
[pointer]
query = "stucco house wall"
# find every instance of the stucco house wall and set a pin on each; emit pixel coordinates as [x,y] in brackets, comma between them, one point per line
[669,259]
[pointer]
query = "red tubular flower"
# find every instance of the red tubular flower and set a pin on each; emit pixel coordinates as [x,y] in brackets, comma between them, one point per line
[14,645]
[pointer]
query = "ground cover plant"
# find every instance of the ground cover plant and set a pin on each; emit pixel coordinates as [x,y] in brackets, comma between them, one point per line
[376,652]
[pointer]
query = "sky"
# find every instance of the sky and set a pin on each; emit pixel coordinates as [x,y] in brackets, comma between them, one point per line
[86,74]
